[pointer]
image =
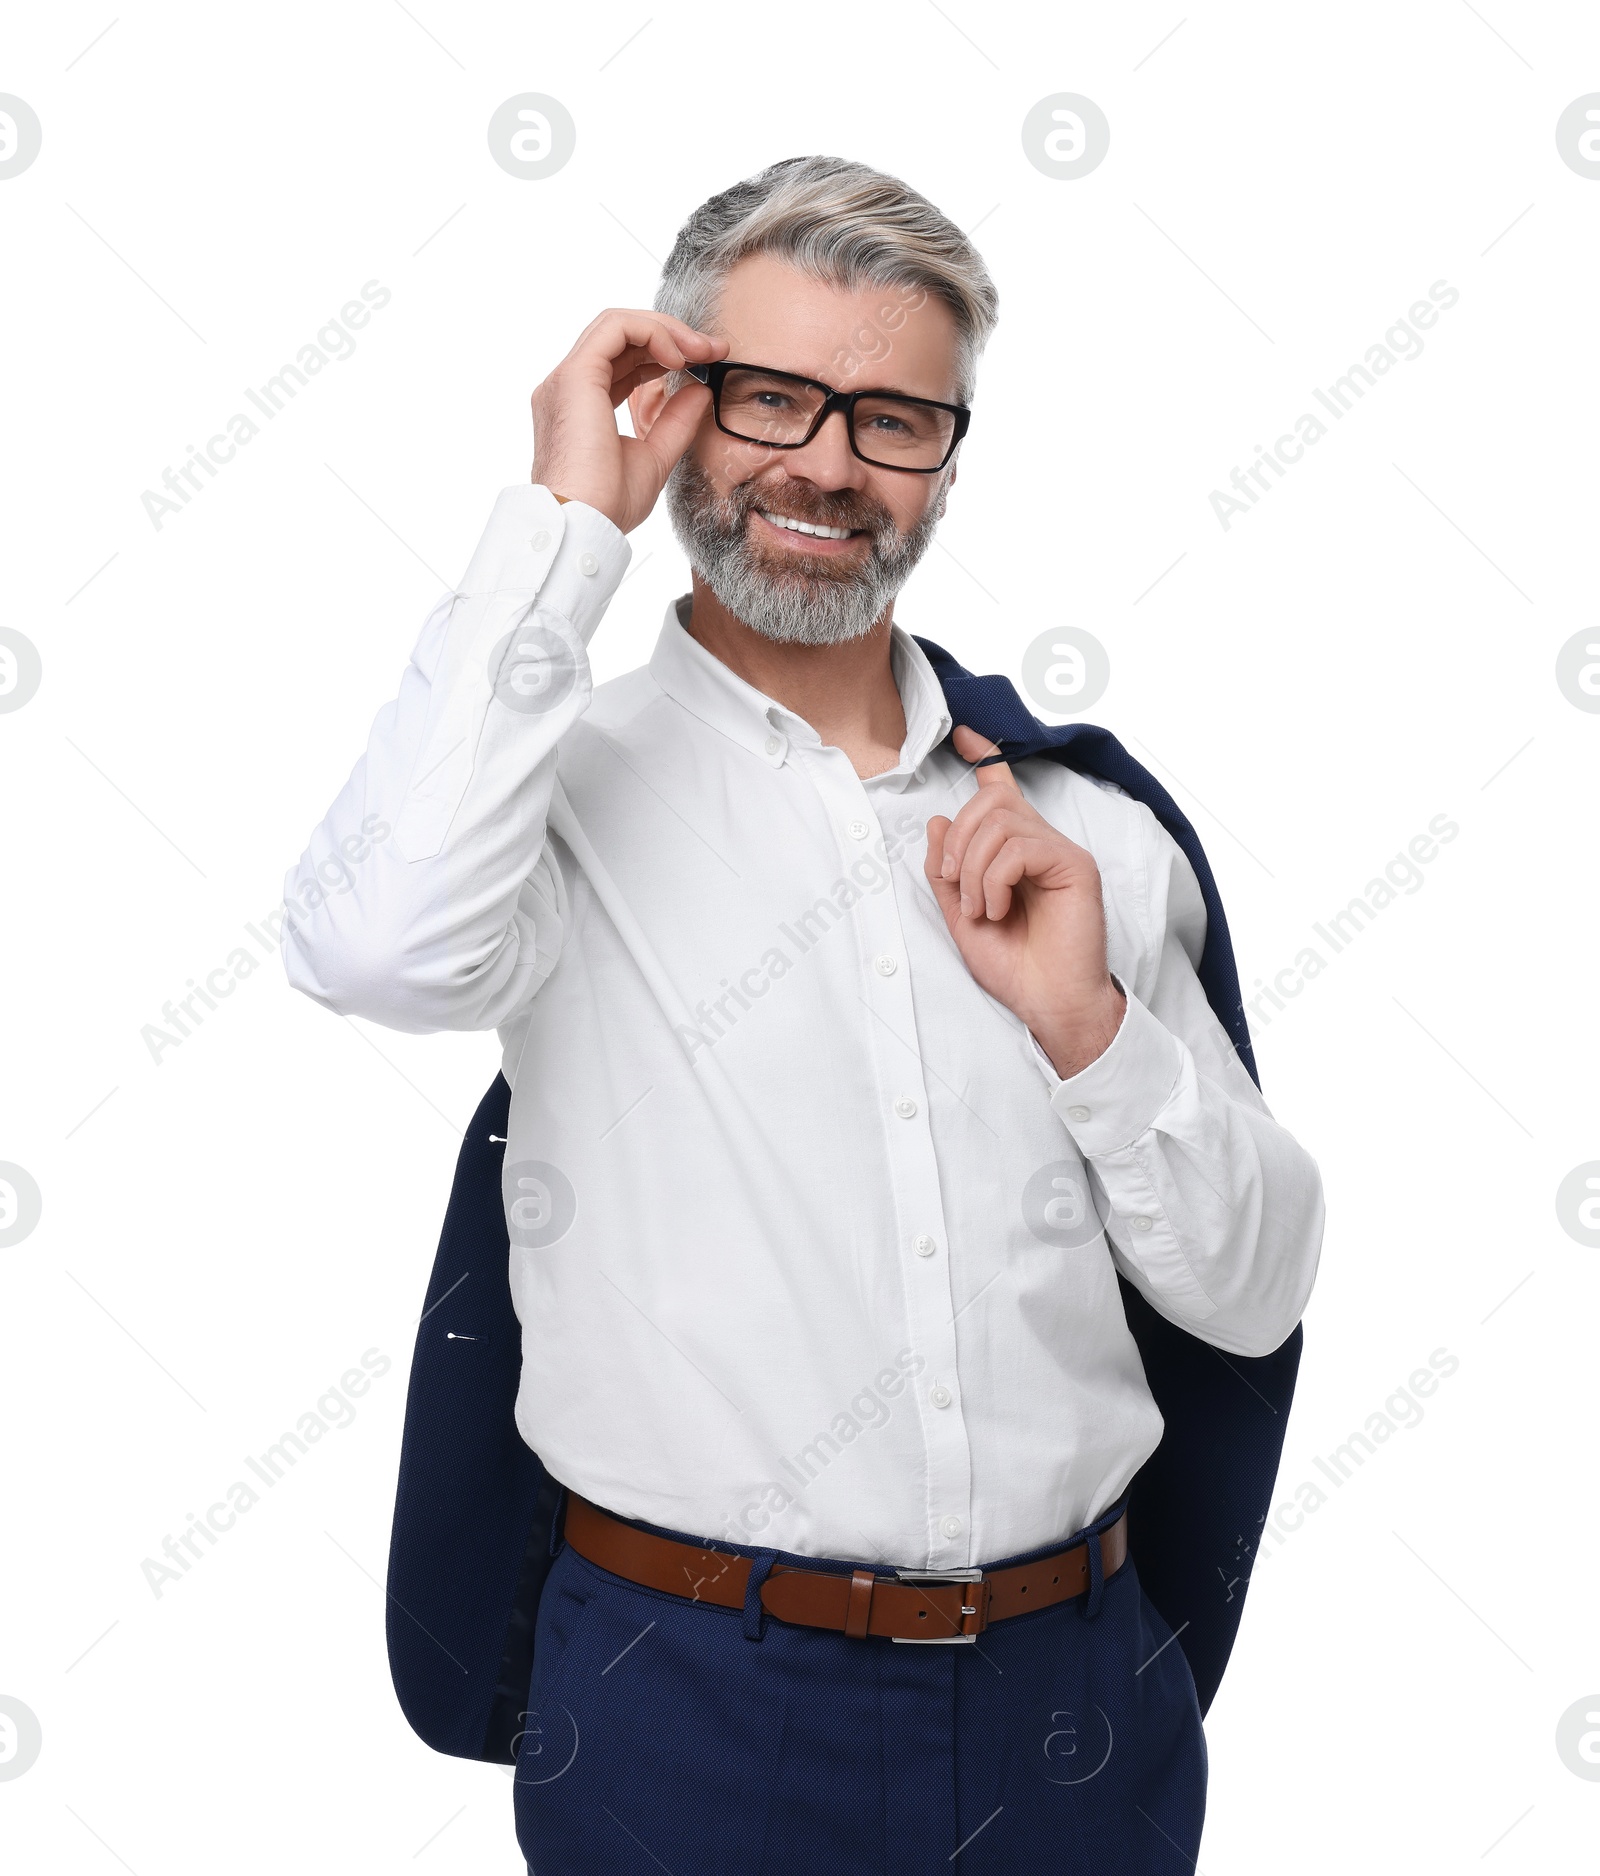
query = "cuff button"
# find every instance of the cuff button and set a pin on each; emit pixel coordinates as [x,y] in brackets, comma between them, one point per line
[588,564]
[1077,1113]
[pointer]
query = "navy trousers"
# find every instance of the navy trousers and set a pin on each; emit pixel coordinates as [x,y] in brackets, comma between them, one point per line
[663,1733]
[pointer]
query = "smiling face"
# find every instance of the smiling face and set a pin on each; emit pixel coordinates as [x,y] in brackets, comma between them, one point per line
[747,514]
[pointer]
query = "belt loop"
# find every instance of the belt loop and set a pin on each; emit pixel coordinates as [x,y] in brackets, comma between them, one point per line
[1097,1577]
[755,1616]
[858,1615]
[558,1522]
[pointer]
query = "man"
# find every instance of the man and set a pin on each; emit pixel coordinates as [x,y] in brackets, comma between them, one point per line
[849,1069]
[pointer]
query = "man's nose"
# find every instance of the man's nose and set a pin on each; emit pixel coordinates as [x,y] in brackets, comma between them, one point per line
[828,460]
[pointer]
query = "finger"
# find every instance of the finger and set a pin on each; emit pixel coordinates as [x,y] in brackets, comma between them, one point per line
[639,363]
[1019,857]
[995,782]
[971,816]
[994,834]
[946,892]
[635,367]
[636,320]
[660,352]
[973,748]
[669,341]
[622,388]
[939,826]
[673,431]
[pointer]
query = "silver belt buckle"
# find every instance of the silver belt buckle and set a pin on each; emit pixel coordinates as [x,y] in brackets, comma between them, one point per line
[938,1576]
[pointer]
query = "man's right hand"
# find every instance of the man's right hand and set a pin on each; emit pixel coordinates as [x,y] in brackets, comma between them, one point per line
[578,450]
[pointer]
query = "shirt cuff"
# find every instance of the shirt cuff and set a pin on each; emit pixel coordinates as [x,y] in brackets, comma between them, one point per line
[569,554]
[1112,1102]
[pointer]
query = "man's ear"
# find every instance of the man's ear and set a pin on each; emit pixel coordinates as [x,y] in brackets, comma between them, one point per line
[644,404]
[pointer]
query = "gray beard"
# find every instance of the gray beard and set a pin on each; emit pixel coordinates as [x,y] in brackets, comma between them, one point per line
[798,605]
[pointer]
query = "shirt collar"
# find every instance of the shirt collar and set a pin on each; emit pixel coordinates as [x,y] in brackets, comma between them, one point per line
[705,687]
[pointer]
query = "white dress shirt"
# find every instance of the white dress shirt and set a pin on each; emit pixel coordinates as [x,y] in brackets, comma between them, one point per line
[811,1246]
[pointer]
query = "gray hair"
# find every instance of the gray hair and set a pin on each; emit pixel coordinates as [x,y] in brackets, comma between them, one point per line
[843,223]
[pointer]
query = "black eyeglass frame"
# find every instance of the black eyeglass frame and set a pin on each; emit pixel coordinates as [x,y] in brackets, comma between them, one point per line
[713,374]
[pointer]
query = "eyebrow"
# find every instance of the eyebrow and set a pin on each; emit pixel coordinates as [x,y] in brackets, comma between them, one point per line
[872,390]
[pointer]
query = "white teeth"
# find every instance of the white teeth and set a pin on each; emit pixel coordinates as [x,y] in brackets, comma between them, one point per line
[808,527]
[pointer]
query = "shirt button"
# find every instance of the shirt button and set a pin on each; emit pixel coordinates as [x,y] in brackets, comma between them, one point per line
[540,541]
[588,564]
[1141,1224]
[951,1527]
[940,1397]
[773,745]
[859,830]
[1077,1113]
[924,1247]
[885,966]
[906,1108]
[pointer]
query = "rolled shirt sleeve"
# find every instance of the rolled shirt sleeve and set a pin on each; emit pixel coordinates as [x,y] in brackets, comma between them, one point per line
[1210,1207]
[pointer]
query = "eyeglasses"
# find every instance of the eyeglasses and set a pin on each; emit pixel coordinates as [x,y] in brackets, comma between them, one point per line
[784,411]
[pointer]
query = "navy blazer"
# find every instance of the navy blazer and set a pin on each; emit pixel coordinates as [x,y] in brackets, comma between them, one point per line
[474,1509]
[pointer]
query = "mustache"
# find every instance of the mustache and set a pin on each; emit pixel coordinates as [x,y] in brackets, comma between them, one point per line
[824,510]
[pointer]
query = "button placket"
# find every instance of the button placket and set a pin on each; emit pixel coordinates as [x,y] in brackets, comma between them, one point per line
[890,1017]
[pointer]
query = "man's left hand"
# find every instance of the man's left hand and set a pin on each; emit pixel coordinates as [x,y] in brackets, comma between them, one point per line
[1024,907]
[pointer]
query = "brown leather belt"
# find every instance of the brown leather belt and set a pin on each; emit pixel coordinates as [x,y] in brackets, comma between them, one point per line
[910,1606]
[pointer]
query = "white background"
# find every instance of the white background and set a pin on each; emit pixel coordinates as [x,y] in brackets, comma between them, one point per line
[1372,645]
